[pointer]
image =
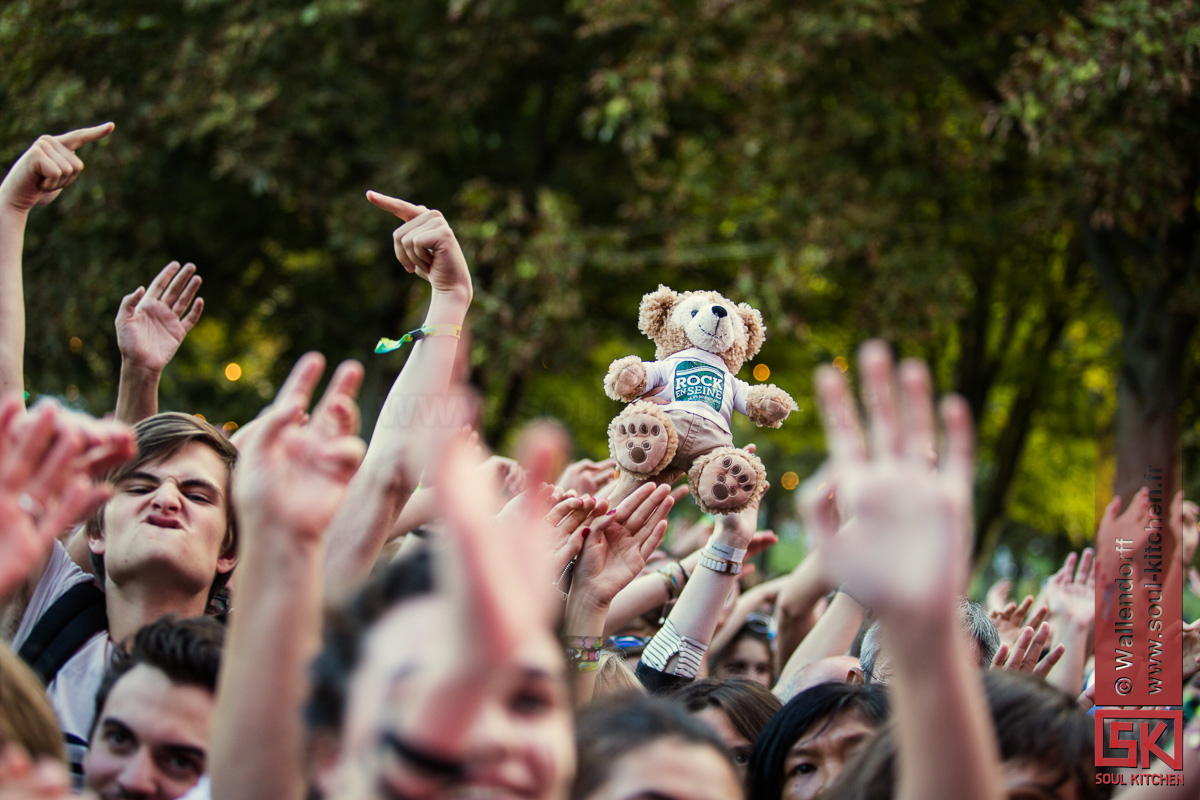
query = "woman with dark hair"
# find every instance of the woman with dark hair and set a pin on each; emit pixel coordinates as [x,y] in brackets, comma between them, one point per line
[737,710]
[642,746]
[805,746]
[1047,746]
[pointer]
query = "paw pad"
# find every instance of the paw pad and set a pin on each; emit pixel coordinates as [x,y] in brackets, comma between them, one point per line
[639,443]
[728,482]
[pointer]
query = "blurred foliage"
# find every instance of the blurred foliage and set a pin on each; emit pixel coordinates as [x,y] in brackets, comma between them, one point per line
[937,174]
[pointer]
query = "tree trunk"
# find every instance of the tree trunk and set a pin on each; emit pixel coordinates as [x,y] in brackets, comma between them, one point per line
[1149,393]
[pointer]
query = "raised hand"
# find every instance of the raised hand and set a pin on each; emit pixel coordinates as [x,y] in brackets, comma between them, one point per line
[291,476]
[1070,594]
[153,322]
[1129,523]
[903,548]
[568,517]
[997,595]
[47,167]
[1025,654]
[49,463]
[1010,620]
[426,245]
[618,545]
[587,476]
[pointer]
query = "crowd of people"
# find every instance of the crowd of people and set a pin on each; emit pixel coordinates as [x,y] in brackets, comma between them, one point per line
[293,612]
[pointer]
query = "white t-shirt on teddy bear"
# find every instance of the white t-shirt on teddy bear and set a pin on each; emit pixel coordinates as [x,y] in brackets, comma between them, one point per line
[698,381]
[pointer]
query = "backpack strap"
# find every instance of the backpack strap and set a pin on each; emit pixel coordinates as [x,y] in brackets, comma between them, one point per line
[66,626]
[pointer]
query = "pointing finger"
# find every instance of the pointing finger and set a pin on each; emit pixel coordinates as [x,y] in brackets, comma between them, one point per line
[78,138]
[401,208]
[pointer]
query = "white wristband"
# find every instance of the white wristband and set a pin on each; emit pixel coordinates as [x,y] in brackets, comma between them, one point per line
[726,552]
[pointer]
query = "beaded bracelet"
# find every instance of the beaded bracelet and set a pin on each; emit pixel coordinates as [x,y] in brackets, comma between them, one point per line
[584,659]
[674,577]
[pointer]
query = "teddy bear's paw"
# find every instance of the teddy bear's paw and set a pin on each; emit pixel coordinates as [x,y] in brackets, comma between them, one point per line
[641,441]
[726,482]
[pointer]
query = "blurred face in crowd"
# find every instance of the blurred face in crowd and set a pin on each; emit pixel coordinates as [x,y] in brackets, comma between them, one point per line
[151,738]
[521,744]
[749,658]
[819,756]
[168,520]
[671,769]
[739,745]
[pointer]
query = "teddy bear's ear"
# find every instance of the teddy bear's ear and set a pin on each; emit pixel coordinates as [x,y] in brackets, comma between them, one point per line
[655,311]
[756,332]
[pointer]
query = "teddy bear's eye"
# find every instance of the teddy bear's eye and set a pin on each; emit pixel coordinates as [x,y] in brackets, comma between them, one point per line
[695,311]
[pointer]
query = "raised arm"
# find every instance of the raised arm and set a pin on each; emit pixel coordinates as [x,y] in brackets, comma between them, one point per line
[38,176]
[614,551]
[151,325]
[903,551]
[799,593]
[675,653]
[289,480]
[1071,599]
[424,245]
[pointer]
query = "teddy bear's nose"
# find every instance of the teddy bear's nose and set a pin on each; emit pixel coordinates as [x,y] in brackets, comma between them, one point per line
[720,311]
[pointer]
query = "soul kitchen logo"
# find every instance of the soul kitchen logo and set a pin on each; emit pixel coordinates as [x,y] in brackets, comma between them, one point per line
[697,382]
[1139,644]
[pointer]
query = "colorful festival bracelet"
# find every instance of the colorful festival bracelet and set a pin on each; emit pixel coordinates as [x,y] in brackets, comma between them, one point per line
[424,332]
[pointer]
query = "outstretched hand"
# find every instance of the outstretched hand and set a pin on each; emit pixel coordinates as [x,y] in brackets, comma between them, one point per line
[47,167]
[620,543]
[152,323]
[1010,620]
[50,463]
[903,546]
[587,476]
[426,245]
[1070,594]
[1025,654]
[293,475]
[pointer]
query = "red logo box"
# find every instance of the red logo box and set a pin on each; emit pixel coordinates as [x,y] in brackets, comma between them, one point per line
[1150,727]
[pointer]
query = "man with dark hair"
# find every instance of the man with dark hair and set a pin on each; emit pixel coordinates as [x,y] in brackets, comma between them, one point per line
[150,737]
[163,544]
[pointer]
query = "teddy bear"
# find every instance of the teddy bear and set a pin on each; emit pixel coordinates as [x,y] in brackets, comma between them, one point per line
[703,339]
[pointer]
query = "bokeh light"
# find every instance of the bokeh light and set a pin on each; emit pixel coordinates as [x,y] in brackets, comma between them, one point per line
[233,371]
[75,344]
[841,364]
[761,372]
[789,480]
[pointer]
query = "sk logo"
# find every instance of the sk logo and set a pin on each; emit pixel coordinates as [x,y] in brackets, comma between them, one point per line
[1150,729]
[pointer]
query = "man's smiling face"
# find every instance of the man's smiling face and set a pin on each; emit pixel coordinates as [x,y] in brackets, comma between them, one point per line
[151,738]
